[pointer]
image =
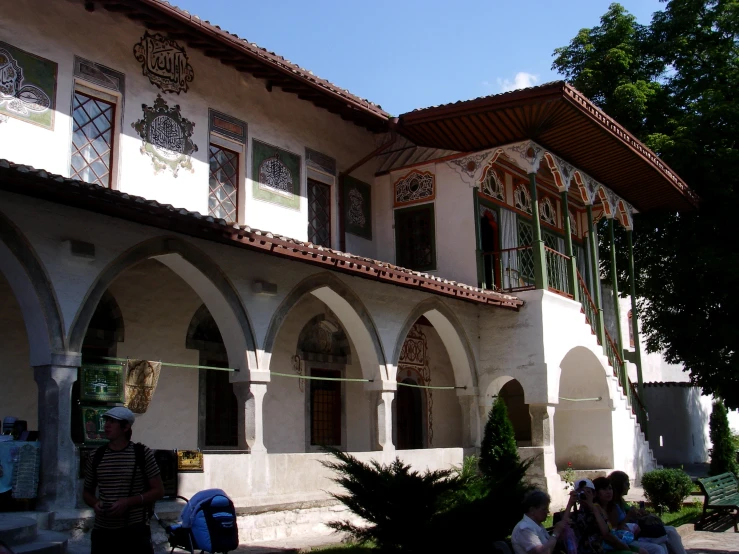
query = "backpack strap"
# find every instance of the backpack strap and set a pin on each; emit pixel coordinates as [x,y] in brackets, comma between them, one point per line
[97,457]
[139,451]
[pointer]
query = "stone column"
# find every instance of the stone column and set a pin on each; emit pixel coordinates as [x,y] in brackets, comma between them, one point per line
[595,271]
[542,424]
[382,395]
[472,431]
[250,395]
[58,480]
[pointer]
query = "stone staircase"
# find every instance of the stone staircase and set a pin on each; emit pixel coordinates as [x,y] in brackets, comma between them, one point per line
[26,535]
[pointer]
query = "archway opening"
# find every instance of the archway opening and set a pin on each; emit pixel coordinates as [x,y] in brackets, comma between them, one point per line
[583,426]
[158,304]
[425,362]
[18,393]
[410,417]
[217,403]
[518,411]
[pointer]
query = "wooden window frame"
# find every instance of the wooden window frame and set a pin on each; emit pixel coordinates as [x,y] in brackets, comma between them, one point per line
[328,181]
[110,97]
[233,148]
[428,206]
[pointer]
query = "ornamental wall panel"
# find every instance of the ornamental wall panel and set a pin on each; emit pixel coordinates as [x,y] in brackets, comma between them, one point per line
[415,187]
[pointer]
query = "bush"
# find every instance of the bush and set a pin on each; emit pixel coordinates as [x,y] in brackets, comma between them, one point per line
[667,488]
[723,452]
[398,504]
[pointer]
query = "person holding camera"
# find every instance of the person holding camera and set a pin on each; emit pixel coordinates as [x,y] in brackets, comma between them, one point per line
[122,482]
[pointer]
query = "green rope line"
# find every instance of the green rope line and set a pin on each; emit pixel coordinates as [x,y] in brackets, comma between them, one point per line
[429,387]
[580,399]
[310,377]
[174,365]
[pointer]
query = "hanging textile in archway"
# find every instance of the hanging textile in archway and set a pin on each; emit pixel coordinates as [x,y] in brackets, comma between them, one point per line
[414,362]
[141,381]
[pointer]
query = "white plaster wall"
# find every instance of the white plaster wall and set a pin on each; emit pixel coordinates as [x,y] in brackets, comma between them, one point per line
[18,397]
[678,424]
[157,307]
[454,222]
[294,477]
[58,30]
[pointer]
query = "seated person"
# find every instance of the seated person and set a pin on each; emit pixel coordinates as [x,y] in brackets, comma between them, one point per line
[602,505]
[626,514]
[529,537]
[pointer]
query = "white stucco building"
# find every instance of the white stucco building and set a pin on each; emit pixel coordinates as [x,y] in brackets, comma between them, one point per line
[177,194]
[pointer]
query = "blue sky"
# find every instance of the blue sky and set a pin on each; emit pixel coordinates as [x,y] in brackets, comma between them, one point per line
[406,54]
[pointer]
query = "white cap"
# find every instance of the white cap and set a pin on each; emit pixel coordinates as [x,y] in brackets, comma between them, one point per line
[122,414]
[585,484]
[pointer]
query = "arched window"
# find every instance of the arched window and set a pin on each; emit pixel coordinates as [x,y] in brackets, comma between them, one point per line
[522,198]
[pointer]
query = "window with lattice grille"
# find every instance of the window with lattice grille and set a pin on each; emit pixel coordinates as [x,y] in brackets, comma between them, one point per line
[223,182]
[415,242]
[325,408]
[526,256]
[319,213]
[92,139]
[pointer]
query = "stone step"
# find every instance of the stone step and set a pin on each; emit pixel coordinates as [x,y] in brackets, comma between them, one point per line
[17,529]
[46,542]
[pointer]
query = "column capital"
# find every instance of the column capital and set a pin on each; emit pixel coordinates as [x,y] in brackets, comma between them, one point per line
[63,359]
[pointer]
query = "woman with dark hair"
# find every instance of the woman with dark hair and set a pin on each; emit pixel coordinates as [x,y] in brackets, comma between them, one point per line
[603,505]
[625,514]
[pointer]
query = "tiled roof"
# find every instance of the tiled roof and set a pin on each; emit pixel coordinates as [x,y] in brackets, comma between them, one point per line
[26,180]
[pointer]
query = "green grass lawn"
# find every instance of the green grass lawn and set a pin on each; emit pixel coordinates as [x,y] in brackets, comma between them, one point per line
[347,549]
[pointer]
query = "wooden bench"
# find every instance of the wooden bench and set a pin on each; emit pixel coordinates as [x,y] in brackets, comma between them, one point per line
[721,495]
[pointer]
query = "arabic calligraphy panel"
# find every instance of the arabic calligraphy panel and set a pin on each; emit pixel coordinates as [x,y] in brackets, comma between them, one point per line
[275,175]
[164,62]
[166,136]
[357,200]
[27,86]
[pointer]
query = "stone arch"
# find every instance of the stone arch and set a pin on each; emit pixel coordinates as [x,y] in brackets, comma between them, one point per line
[452,334]
[199,271]
[583,426]
[34,292]
[348,308]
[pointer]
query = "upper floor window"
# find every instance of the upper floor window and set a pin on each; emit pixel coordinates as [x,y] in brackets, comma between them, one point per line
[223,183]
[522,198]
[319,213]
[93,115]
[415,241]
[492,184]
[415,187]
[225,159]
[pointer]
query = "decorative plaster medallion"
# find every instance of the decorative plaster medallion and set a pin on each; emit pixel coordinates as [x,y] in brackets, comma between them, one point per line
[470,167]
[492,184]
[522,198]
[356,211]
[547,212]
[275,176]
[529,155]
[17,97]
[166,136]
[414,187]
[164,62]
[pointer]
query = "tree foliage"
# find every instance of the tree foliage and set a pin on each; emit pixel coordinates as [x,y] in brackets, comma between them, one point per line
[723,453]
[673,84]
[498,451]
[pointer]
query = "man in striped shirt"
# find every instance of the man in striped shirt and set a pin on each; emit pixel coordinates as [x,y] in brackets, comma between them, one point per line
[121,482]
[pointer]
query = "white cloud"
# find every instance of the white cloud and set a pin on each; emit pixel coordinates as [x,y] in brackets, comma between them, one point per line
[521,80]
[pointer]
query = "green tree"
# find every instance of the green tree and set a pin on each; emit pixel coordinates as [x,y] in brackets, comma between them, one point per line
[498,452]
[723,453]
[674,85]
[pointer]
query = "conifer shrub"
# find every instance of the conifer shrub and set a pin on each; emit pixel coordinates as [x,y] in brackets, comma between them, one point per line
[667,488]
[723,451]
